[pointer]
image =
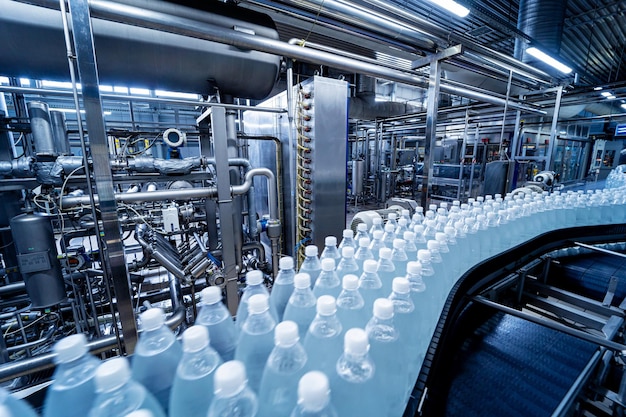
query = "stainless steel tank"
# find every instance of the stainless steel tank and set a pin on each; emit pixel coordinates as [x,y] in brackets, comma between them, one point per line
[59,133]
[41,128]
[35,245]
[358,177]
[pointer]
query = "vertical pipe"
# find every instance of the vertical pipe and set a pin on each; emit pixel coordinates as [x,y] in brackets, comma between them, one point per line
[555,119]
[431,130]
[506,108]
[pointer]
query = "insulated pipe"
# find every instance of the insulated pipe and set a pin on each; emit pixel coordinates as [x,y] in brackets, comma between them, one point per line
[191,193]
[173,24]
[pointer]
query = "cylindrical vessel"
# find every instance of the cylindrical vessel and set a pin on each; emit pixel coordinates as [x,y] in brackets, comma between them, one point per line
[59,133]
[41,128]
[34,242]
[358,173]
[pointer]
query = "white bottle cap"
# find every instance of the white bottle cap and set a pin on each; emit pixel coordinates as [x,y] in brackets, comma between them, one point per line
[399,244]
[456,203]
[211,295]
[347,252]
[5,411]
[401,285]
[140,413]
[356,342]
[112,374]
[392,216]
[470,220]
[383,308]
[481,218]
[378,234]
[330,241]
[152,319]
[230,378]
[419,209]
[326,305]
[424,255]
[414,268]
[377,220]
[328,264]
[350,282]
[347,233]
[195,338]
[286,262]
[405,212]
[389,228]
[254,277]
[432,207]
[449,230]
[441,211]
[459,224]
[257,304]
[408,235]
[313,391]
[444,205]
[70,348]
[432,245]
[364,242]
[384,253]
[361,227]
[370,266]
[302,280]
[418,229]
[480,198]
[402,222]
[311,250]
[286,333]
[441,237]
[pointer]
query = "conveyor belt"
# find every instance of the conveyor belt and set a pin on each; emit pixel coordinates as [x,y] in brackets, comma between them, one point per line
[511,367]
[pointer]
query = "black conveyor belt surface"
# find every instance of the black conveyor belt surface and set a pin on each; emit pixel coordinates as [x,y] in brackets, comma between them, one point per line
[511,367]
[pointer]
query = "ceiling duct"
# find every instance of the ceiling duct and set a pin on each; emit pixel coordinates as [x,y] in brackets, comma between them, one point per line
[365,107]
[542,21]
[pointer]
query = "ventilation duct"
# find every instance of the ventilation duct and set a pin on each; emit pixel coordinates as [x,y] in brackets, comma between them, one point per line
[365,107]
[542,21]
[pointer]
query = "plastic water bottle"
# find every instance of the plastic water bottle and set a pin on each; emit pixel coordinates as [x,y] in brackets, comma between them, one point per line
[301,306]
[217,319]
[363,253]
[330,249]
[283,286]
[377,224]
[192,390]
[323,338]
[140,413]
[370,285]
[328,282]
[402,227]
[254,285]
[350,304]
[353,382]
[389,235]
[361,232]
[14,407]
[73,379]
[420,240]
[311,264]
[399,257]
[392,219]
[347,240]
[386,353]
[314,397]
[409,245]
[377,243]
[386,269]
[233,397]
[256,339]
[418,217]
[117,394]
[406,215]
[285,366]
[347,264]
[156,356]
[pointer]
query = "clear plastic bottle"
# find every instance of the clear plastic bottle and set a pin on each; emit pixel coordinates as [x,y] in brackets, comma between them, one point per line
[386,269]
[414,276]
[254,285]
[402,227]
[353,382]
[255,340]
[389,235]
[350,304]
[363,253]
[117,394]
[328,282]
[330,249]
[377,243]
[377,224]
[399,257]
[14,407]
[217,319]
[347,240]
[192,391]
[430,229]
[323,338]
[156,356]
[420,240]
[73,379]
[406,215]
[387,354]
[347,264]
[285,366]
[409,245]
[392,219]
[314,397]
[311,264]
[418,217]
[370,285]
[283,286]
[361,232]
[140,413]
[233,397]
[301,306]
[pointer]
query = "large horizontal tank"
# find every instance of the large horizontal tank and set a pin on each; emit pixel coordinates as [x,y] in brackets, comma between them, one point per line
[33,46]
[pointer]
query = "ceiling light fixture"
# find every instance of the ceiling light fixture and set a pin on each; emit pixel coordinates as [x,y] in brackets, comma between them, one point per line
[611,97]
[539,54]
[624,106]
[597,88]
[452,6]
[606,94]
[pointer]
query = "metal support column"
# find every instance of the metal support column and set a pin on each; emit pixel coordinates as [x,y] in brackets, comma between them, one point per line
[112,258]
[555,119]
[431,130]
[225,203]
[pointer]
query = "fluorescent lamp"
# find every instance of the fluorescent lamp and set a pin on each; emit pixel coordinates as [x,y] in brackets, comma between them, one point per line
[624,106]
[548,60]
[597,88]
[606,94]
[611,97]
[452,6]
